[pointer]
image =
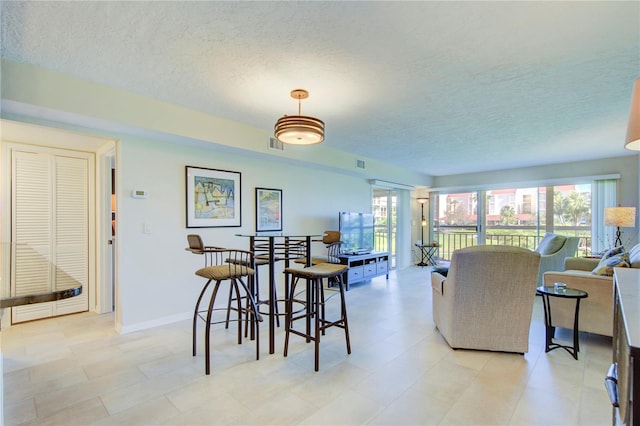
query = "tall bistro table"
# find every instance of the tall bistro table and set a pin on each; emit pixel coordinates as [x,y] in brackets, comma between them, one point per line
[278,247]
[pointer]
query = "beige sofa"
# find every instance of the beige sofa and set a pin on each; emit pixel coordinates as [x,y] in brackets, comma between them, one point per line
[596,311]
[486,300]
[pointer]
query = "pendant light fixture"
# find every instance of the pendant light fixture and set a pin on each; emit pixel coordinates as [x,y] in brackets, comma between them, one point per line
[299,129]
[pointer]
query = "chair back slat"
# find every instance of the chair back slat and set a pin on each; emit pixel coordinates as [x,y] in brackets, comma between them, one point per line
[228,264]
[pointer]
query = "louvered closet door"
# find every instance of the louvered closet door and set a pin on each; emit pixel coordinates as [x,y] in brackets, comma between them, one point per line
[32,224]
[71,232]
[50,229]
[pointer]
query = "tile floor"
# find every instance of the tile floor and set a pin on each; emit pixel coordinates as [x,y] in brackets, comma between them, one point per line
[76,370]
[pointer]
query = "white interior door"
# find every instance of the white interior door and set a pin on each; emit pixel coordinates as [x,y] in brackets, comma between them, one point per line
[50,228]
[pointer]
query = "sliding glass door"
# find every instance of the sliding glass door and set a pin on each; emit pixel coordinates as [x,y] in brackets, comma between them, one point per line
[384,212]
[455,223]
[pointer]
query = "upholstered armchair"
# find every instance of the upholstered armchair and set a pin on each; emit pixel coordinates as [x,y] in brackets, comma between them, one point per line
[486,300]
[554,249]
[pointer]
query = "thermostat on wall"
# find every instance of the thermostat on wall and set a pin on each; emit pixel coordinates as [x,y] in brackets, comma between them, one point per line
[139,193]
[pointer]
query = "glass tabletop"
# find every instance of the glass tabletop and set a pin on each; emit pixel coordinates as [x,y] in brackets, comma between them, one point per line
[562,291]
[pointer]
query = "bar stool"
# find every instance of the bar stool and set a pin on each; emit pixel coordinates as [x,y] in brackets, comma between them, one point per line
[227,265]
[331,240]
[315,304]
[196,246]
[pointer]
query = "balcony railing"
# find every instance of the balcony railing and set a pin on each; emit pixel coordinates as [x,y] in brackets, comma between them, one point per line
[457,237]
[451,238]
[381,238]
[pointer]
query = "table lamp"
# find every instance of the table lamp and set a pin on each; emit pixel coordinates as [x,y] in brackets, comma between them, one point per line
[619,217]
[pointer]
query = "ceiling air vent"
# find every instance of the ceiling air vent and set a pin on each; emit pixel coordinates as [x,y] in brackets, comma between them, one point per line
[360,164]
[276,144]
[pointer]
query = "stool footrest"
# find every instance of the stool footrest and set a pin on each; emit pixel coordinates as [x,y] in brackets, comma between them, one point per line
[302,334]
[339,323]
[315,304]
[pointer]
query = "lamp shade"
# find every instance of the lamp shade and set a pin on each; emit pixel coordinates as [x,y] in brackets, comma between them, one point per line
[299,129]
[620,216]
[633,129]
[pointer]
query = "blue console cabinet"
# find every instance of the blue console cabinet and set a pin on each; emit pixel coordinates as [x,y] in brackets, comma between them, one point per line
[363,267]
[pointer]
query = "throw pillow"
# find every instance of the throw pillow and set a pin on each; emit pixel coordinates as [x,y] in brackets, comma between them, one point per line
[613,252]
[606,265]
[634,256]
[550,244]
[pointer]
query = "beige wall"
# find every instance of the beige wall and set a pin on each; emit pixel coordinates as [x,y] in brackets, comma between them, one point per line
[155,267]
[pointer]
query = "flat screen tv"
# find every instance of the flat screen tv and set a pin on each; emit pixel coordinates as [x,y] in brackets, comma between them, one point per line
[356,232]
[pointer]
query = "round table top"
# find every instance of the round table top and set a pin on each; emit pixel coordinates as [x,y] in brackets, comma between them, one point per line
[562,292]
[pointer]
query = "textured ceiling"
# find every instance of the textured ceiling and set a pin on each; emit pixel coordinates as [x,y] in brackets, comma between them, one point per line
[437,87]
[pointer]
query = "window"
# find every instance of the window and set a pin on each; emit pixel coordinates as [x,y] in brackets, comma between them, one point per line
[526,203]
[513,216]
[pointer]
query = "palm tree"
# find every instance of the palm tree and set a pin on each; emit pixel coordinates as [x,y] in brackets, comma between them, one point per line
[507,215]
[560,208]
[572,208]
[578,207]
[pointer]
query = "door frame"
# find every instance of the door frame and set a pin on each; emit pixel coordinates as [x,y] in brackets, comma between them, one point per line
[105,241]
[16,132]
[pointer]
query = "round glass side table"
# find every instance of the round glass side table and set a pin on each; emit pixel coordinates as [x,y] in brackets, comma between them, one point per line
[567,293]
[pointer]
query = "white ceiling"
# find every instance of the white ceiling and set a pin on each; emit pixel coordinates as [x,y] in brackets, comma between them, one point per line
[437,87]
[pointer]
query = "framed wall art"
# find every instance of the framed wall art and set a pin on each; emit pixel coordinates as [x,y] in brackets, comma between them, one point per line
[268,209]
[213,198]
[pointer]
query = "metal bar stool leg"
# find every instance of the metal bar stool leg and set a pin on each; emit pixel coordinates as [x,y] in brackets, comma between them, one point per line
[229,307]
[309,305]
[343,312]
[253,315]
[238,308]
[317,286]
[207,335]
[288,318]
[322,309]
[195,314]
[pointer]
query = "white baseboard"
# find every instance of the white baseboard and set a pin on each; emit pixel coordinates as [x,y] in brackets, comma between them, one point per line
[154,323]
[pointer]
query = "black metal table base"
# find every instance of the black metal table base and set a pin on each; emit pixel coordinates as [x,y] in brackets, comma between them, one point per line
[550,329]
[427,254]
